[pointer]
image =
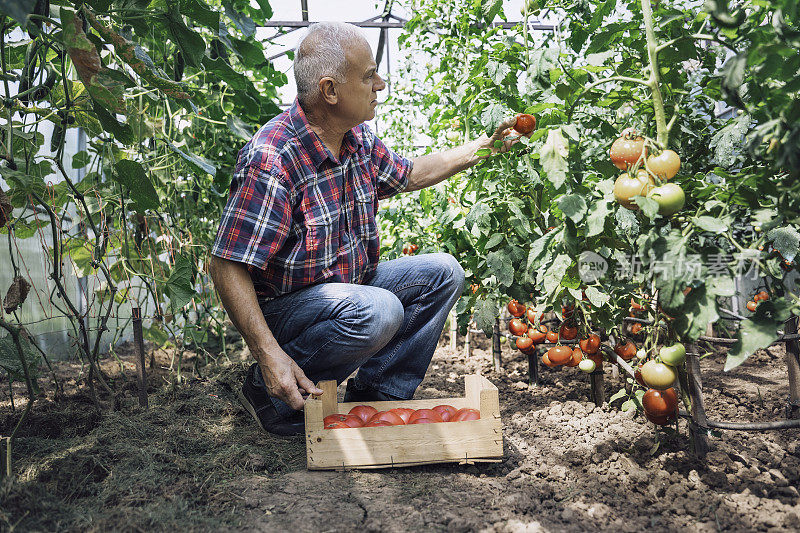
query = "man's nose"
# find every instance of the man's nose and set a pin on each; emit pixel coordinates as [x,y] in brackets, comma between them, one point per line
[379,84]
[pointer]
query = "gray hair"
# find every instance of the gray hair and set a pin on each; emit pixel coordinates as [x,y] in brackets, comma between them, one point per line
[320,53]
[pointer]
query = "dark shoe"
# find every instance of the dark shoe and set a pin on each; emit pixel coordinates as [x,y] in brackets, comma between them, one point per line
[352,394]
[258,404]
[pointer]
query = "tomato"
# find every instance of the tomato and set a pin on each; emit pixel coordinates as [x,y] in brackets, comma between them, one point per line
[425,413]
[577,357]
[349,420]
[377,423]
[670,198]
[559,355]
[364,412]
[538,334]
[664,165]
[637,374]
[445,411]
[531,314]
[517,327]
[659,420]
[465,414]
[590,344]
[763,295]
[338,425]
[388,416]
[405,249]
[474,287]
[673,355]
[423,421]
[515,308]
[635,328]
[525,123]
[627,351]
[587,365]
[453,136]
[660,403]
[524,343]
[567,311]
[627,187]
[568,331]
[597,359]
[552,336]
[403,412]
[625,152]
[636,306]
[751,305]
[658,375]
[546,361]
[413,248]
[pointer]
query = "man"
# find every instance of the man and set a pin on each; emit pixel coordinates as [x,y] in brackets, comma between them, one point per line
[295,260]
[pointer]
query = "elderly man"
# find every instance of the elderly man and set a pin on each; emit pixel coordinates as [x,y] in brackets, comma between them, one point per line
[295,260]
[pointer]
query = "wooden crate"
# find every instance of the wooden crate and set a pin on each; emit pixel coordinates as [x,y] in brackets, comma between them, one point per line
[416,444]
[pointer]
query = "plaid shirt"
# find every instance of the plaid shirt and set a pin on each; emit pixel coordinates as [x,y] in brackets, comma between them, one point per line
[298,216]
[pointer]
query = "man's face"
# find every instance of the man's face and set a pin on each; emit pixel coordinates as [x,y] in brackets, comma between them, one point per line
[358,95]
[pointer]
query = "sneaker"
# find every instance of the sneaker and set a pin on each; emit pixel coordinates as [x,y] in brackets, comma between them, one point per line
[258,404]
[353,394]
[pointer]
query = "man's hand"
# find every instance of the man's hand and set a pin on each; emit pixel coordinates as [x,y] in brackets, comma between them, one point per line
[284,379]
[504,133]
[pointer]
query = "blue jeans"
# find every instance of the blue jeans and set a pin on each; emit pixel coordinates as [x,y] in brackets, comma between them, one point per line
[387,328]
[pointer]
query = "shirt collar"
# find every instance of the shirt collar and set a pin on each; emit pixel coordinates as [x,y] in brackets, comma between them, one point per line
[311,142]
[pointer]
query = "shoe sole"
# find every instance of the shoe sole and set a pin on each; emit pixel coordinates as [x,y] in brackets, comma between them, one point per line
[249,408]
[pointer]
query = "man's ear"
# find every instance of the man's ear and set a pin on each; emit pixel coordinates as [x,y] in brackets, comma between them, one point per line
[328,90]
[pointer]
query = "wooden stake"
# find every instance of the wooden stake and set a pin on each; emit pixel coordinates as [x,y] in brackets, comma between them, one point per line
[453,329]
[699,420]
[793,365]
[598,391]
[496,345]
[138,346]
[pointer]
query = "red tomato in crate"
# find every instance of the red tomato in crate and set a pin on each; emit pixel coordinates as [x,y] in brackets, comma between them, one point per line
[425,413]
[350,420]
[377,423]
[337,425]
[446,411]
[364,412]
[423,421]
[403,412]
[462,415]
[387,416]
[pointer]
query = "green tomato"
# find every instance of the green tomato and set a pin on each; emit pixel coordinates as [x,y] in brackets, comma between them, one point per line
[658,375]
[673,355]
[502,339]
[587,365]
[670,198]
[641,354]
[453,136]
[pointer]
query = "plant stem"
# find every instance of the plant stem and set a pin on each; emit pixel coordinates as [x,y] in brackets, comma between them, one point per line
[662,132]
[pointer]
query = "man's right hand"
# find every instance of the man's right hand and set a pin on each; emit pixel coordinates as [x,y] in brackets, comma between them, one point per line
[285,379]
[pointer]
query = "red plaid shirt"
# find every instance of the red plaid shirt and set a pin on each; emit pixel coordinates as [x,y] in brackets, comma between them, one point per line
[297,215]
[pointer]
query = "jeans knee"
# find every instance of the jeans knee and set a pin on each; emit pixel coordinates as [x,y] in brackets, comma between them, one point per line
[452,270]
[381,315]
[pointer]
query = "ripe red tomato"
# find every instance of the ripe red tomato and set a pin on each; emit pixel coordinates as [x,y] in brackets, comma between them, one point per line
[531,315]
[559,355]
[538,334]
[625,152]
[627,351]
[337,425]
[638,375]
[364,412]
[377,423]
[627,187]
[598,360]
[446,411]
[590,344]
[635,306]
[403,412]
[516,309]
[763,295]
[659,420]
[577,357]
[350,420]
[635,328]
[525,123]
[388,416]
[568,331]
[567,311]
[552,336]
[425,413]
[524,343]
[465,414]
[546,361]
[751,306]
[517,327]
[664,165]
[423,421]
[660,403]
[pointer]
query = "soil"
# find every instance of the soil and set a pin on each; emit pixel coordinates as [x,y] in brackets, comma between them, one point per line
[196,461]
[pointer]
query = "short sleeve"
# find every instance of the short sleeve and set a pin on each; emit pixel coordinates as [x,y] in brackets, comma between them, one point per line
[392,170]
[256,220]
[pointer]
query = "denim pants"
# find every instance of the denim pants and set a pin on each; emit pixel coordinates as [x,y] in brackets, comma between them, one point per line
[387,328]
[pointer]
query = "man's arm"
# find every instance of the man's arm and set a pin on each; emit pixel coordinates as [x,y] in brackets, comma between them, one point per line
[283,377]
[432,168]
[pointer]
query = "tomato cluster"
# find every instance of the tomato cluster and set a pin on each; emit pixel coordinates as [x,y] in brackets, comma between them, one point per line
[367,416]
[410,249]
[752,305]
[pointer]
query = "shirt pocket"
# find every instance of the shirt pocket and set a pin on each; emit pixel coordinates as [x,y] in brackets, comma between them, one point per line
[321,221]
[364,194]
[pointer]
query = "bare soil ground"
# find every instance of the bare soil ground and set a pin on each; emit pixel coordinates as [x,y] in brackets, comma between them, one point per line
[195,460]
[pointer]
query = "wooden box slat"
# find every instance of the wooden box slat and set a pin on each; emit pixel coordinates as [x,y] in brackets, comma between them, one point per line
[379,447]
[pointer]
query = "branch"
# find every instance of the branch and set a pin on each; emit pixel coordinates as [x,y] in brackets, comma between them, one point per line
[600,82]
[696,37]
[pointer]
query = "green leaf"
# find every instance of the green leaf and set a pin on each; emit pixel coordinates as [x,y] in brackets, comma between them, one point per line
[133,177]
[712,224]
[648,206]
[266,9]
[180,283]
[596,221]
[81,159]
[553,157]
[626,222]
[622,393]
[492,116]
[758,332]
[494,240]
[200,163]
[501,266]
[596,298]
[786,240]
[239,127]
[190,43]
[573,206]
[490,9]
[23,184]
[485,313]
[242,21]
[19,10]
[121,132]
[556,272]
[10,359]
[199,11]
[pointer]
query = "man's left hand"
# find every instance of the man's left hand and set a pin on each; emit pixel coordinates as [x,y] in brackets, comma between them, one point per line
[506,135]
